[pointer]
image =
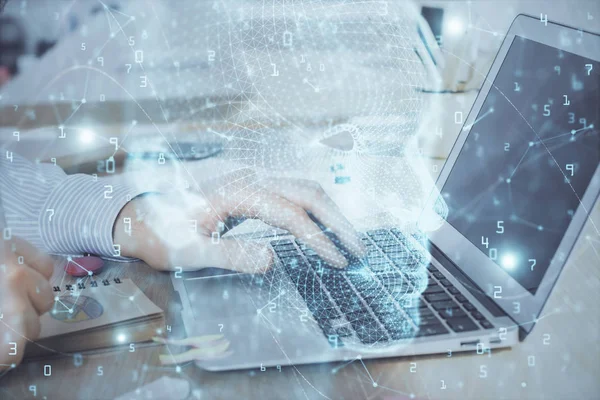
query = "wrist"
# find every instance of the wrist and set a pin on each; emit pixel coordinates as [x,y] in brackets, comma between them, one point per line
[129,229]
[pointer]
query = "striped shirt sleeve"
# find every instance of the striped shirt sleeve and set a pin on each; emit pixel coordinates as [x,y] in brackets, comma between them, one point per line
[59,213]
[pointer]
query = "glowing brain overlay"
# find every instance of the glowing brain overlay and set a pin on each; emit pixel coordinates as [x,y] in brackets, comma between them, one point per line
[322,90]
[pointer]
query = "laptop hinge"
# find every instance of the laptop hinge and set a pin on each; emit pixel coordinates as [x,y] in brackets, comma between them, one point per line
[471,286]
[467,282]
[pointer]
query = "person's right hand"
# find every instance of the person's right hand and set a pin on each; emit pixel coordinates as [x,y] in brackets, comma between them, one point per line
[160,232]
[25,294]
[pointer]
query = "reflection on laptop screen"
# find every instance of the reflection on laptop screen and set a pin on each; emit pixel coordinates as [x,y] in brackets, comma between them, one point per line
[528,159]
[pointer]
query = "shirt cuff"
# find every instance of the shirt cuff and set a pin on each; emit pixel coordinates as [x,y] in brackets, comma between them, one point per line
[79,215]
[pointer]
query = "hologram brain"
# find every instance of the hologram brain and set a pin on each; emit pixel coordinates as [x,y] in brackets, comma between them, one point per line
[319,90]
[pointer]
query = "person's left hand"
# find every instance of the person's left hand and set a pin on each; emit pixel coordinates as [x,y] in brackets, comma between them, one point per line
[176,230]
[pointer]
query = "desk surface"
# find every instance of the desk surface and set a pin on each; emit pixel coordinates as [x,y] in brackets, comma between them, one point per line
[568,367]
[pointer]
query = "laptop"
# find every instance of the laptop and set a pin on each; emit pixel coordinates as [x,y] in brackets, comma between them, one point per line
[519,185]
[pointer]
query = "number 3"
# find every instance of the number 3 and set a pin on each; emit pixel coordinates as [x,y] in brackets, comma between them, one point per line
[13,349]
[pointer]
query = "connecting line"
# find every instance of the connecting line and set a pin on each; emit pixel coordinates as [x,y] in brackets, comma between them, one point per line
[336,369]
[79,265]
[309,236]
[295,369]
[594,248]
[67,311]
[490,111]
[570,133]
[73,113]
[487,31]
[520,161]
[368,373]
[271,301]
[228,138]
[411,395]
[133,125]
[591,239]
[114,10]
[315,88]
[510,197]
[470,18]
[269,321]
[76,298]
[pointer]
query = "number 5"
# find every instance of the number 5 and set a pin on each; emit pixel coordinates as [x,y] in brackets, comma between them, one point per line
[500,226]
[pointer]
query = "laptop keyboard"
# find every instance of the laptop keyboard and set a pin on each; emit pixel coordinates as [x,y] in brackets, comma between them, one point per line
[368,300]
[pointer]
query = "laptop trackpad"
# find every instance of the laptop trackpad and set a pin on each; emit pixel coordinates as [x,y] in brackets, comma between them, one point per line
[224,294]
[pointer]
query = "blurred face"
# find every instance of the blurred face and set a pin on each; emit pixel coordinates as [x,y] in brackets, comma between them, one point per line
[325,92]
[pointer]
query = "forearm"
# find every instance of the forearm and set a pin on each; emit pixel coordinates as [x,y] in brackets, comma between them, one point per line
[58,213]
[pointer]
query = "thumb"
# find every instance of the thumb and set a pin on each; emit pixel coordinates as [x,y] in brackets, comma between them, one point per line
[231,253]
[238,255]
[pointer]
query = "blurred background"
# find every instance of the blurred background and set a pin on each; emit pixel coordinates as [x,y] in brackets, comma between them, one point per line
[42,43]
[29,28]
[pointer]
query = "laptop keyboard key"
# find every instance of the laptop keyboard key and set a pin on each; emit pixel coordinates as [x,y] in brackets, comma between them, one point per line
[437,297]
[399,327]
[486,324]
[427,320]
[461,298]
[282,242]
[383,306]
[454,290]
[425,313]
[322,311]
[468,306]
[477,315]
[430,330]
[378,232]
[349,306]
[412,303]
[442,305]
[433,289]
[284,247]
[358,316]
[445,282]
[288,254]
[370,334]
[462,325]
[450,313]
[340,331]
[342,295]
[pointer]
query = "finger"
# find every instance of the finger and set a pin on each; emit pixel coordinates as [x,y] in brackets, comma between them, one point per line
[17,329]
[39,291]
[34,258]
[310,196]
[204,252]
[281,213]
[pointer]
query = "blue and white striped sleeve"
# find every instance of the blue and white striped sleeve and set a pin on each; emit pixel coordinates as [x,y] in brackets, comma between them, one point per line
[59,213]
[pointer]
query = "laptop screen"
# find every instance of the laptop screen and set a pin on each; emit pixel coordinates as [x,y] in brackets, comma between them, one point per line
[528,159]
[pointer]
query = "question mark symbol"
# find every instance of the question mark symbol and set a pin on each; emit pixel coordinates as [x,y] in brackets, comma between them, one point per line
[220,327]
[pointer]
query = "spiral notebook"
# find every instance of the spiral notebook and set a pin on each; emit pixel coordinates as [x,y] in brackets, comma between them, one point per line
[94,315]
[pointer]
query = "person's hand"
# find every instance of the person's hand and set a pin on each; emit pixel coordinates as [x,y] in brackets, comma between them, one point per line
[25,294]
[176,230]
[5,75]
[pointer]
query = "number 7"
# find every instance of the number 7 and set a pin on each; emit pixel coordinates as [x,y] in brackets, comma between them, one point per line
[533,262]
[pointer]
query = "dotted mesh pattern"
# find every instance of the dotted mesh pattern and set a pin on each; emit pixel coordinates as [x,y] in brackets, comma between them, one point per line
[320,90]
